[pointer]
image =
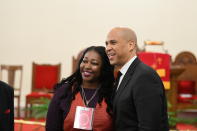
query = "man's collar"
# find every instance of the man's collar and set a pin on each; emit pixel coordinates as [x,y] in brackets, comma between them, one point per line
[126,66]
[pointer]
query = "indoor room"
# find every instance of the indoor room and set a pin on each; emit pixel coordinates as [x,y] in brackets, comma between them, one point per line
[42,41]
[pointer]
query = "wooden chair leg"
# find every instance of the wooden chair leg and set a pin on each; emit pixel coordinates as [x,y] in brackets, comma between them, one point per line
[26,109]
[19,107]
[30,112]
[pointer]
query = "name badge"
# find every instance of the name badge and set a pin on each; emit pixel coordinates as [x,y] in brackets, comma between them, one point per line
[83,118]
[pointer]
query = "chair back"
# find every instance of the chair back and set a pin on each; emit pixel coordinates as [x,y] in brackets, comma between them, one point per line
[185,58]
[12,74]
[186,81]
[44,77]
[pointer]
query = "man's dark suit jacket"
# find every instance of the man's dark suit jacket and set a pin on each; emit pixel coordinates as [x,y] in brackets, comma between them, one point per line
[6,107]
[139,103]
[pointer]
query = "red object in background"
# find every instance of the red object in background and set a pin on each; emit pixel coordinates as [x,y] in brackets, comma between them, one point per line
[45,76]
[39,95]
[186,87]
[160,62]
[185,127]
[186,91]
[185,98]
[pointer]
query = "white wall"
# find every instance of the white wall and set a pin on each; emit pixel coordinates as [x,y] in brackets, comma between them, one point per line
[49,31]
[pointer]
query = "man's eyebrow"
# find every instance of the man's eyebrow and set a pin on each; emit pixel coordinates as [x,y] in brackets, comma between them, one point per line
[113,41]
[110,41]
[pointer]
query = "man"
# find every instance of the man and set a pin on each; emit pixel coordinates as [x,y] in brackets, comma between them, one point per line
[139,102]
[6,107]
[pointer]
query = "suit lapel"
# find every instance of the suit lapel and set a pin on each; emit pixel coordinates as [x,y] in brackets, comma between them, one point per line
[126,79]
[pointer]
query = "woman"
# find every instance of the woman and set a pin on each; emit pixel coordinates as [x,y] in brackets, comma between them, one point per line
[90,87]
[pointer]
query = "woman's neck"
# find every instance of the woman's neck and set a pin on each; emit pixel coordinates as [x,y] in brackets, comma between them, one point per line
[89,85]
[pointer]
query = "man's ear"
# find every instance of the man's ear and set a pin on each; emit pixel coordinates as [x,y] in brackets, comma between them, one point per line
[131,45]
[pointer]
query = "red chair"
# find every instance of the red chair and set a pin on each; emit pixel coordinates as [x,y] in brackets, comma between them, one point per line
[186,91]
[44,77]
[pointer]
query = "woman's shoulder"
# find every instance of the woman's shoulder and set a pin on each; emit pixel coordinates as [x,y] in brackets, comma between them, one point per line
[61,86]
[62,89]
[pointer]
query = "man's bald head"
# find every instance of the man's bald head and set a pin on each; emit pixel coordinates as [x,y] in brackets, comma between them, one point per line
[126,33]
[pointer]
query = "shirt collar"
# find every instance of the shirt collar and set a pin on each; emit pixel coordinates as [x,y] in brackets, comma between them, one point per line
[126,66]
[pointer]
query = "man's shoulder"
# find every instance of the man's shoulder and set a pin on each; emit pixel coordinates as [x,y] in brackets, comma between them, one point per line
[145,68]
[145,71]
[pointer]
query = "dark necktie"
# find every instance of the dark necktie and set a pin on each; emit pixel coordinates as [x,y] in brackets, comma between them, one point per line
[116,84]
[117,80]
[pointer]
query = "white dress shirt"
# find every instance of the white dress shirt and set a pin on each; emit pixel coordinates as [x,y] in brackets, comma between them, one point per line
[124,69]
